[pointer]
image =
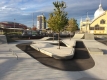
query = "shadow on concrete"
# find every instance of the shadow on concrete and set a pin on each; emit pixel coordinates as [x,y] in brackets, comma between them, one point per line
[86,78]
[103,41]
[81,61]
[7,66]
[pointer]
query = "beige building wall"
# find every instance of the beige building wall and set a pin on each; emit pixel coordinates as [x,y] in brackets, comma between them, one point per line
[99,23]
[84,26]
[102,27]
[90,27]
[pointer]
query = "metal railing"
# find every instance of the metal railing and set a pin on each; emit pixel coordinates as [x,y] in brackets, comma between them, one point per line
[14,53]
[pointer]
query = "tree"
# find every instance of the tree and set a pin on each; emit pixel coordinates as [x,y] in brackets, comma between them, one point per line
[51,23]
[34,28]
[72,25]
[58,19]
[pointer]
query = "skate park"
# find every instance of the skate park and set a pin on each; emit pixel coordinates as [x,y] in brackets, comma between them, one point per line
[51,64]
[44,47]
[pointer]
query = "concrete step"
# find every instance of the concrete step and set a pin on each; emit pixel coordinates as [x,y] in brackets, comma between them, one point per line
[78,36]
[3,39]
[95,51]
[89,36]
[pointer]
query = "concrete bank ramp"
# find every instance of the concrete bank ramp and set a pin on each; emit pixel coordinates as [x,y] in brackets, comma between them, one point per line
[40,45]
[43,39]
[78,36]
[69,43]
[46,38]
[3,39]
[53,51]
[89,36]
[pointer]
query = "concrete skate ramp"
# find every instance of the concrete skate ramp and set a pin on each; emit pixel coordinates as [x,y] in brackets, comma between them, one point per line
[77,63]
[3,39]
[48,48]
[89,36]
[46,38]
[78,36]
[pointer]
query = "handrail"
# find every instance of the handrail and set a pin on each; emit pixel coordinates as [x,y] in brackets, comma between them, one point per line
[14,53]
[3,40]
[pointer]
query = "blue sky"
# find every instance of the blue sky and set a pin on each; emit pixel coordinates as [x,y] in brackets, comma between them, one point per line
[22,10]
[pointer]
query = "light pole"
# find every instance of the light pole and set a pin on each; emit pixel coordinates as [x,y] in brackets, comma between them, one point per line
[33,18]
[14,25]
[33,22]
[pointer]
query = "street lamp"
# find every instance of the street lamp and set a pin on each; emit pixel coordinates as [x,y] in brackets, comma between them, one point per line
[33,22]
[33,18]
[14,25]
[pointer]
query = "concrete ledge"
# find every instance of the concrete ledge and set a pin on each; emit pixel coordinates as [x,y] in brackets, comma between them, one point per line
[3,39]
[89,36]
[35,47]
[36,41]
[46,52]
[78,36]
[62,53]
[69,43]
[70,56]
[95,51]
[53,51]
[44,39]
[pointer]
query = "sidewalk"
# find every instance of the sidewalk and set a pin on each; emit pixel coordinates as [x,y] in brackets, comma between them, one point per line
[27,68]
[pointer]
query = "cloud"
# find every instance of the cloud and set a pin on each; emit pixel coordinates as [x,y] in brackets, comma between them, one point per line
[4,7]
[22,9]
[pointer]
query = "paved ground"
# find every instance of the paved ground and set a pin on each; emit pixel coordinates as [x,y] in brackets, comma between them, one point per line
[81,57]
[27,68]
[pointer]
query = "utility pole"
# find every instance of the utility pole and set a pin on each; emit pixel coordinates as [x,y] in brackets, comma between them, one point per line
[33,19]
[14,25]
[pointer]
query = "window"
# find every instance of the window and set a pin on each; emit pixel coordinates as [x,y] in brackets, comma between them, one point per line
[97,27]
[91,28]
[83,24]
[102,21]
[101,28]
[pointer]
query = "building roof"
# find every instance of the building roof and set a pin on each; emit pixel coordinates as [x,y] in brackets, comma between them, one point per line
[99,12]
[7,24]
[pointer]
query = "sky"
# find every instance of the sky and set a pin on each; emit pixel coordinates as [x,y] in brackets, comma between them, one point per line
[21,11]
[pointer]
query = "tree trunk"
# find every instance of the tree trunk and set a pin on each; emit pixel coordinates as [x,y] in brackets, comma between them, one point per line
[53,36]
[59,40]
[70,36]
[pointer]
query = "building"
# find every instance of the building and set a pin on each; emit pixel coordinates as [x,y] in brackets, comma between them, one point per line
[98,25]
[41,22]
[11,27]
[84,24]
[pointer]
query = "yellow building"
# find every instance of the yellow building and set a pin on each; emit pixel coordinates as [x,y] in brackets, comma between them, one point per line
[96,26]
[84,25]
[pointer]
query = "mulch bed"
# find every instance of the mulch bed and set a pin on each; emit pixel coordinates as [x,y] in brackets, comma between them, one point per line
[81,60]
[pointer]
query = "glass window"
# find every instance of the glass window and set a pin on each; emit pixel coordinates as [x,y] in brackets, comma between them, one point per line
[102,21]
[91,28]
[97,27]
[101,28]
[83,24]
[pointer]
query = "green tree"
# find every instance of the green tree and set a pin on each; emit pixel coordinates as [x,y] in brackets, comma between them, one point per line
[58,19]
[51,23]
[72,25]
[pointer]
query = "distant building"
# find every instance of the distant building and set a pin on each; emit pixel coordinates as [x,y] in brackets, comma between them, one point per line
[84,25]
[11,27]
[98,25]
[41,23]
